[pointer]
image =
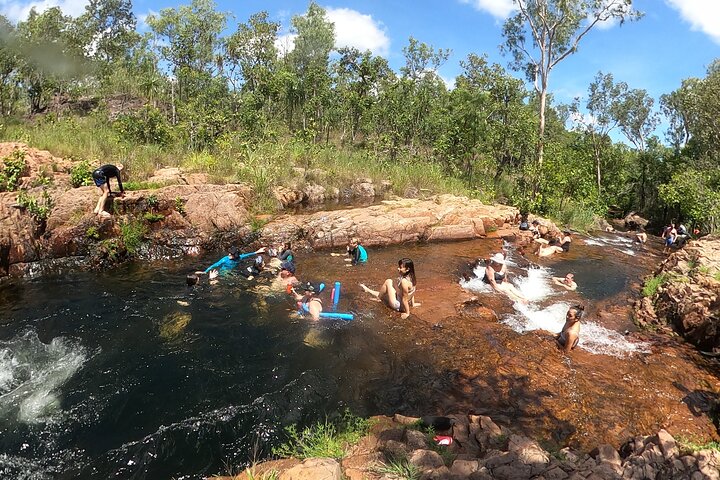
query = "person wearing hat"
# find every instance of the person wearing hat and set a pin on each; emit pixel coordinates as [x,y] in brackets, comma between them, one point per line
[496,276]
[309,303]
[229,261]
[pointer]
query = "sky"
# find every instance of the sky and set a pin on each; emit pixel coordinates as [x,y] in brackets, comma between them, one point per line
[675,40]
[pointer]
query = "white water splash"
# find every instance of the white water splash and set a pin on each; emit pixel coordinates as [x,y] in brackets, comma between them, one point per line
[31,372]
[536,285]
[593,337]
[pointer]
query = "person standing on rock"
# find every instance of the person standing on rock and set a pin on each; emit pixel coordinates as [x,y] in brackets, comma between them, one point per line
[101,176]
[569,337]
[399,295]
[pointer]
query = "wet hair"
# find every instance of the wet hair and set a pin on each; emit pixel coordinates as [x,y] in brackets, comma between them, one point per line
[192,279]
[579,309]
[287,245]
[407,263]
[233,251]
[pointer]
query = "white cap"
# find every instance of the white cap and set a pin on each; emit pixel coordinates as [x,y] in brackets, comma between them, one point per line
[498,258]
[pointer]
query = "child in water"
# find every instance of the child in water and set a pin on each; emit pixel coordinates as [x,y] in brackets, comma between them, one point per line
[357,252]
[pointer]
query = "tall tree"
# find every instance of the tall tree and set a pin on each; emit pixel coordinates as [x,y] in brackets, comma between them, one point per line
[9,64]
[107,30]
[603,93]
[543,33]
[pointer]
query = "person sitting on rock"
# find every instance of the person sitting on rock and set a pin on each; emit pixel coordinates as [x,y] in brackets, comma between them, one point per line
[565,240]
[569,337]
[399,295]
[545,249]
[101,176]
[568,282]
[640,235]
[496,276]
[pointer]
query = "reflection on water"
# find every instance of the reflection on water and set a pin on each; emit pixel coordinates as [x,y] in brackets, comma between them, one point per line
[130,374]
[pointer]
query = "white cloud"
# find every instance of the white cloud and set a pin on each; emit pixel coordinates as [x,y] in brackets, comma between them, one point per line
[497,8]
[16,10]
[703,15]
[285,43]
[354,29]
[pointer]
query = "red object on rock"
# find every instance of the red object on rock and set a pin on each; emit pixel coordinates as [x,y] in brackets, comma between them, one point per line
[443,439]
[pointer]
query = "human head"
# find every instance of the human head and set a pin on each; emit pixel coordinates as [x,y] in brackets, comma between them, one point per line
[287,246]
[259,262]
[569,277]
[192,279]
[576,312]
[567,232]
[120,166]
[535,222]
[354,241]
[233,252]
[498,258]
[409,267]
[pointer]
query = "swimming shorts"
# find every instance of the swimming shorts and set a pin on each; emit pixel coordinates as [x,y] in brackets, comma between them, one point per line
[99,178]
[397,305]
[668,241]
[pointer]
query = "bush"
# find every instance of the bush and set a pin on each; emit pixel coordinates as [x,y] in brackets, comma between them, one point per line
[180,205]
[652,284]
[81,174]
[12,169]
[38,210]
[324,439]
[148,126]
[133,233]
[92,233]
[153,217]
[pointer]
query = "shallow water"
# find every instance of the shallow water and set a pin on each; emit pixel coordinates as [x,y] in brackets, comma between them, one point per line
[129,374]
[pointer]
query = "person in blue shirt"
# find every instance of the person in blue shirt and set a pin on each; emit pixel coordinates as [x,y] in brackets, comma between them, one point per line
[356,251]
[230,261]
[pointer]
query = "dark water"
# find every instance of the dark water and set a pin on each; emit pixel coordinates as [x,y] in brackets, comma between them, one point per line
[128,374]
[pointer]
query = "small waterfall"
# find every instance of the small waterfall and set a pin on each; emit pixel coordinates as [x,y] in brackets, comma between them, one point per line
[31,372]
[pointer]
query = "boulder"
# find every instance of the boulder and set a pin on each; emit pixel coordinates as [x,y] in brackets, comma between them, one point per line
[314,469]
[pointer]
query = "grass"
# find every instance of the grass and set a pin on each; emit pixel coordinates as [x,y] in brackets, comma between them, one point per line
[399,469]
[688,446]
[323,439]
[652,284]
[133,233]
[574,216]
[271,475]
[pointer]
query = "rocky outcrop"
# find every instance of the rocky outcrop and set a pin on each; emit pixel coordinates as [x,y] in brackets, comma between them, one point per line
[688,299]
[183,214]
[444,217]
[482,450]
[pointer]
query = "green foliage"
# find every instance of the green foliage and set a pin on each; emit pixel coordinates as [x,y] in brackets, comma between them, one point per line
[688,446]
[92,233]
[132,233]
[153,201]
[134,186]
[110,248]
[271,475]
[13,166]
[717,276]
[148,126]
[400,469]
[696,195]
[323,439]
[39,210]
[43,179]
[81,174]
[653,283]
[153,217]
[574,215]
[180,205]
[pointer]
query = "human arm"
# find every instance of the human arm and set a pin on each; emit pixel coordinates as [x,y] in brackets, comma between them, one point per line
[405,285]
[217,264]
[122,190]
[490,278]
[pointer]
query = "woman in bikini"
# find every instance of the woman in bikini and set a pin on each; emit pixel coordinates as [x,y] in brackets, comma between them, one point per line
[309,303]
[570,335]
[496,276]
[398,295]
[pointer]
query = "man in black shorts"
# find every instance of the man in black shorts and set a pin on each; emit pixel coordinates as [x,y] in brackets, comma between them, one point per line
[101,177]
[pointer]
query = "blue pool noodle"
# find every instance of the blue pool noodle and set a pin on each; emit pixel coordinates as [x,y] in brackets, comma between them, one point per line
[341,316]
[336,294]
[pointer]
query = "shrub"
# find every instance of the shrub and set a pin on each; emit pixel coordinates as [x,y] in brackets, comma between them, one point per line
[133,233]
[81,174]
[38,210]
[12,169]
[324,439]
[400,469]
[688,446]
[148,126]
[153,217]
[652,284]
[180,205]
[92,233]
[153,201]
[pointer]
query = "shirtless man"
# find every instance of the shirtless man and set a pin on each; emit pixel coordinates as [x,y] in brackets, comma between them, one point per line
[568,283]
[570,335]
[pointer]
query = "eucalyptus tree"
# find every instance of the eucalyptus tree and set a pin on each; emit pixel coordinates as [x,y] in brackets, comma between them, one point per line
[637,120]
[603,93]
[107,31]
[489,127]
[543,33]
[9,65]
[358,79]
[310,62]
[50,61]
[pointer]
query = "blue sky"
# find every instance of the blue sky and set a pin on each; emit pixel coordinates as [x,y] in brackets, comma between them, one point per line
[675,40]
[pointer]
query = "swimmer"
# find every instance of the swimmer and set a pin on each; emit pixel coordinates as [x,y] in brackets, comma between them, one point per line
[640,235]
[496,276]
[546,250]
[399,295]
[568,282]
[309,303]
[569,337]
[566,240]
[356,251]
[229,261]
